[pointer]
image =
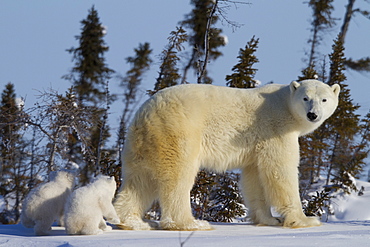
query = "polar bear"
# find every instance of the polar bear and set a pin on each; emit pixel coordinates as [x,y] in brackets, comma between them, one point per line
[187,127]
[45,204]
[86,207]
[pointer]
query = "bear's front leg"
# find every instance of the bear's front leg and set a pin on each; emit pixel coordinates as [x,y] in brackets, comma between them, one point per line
[278,173]
[254,197]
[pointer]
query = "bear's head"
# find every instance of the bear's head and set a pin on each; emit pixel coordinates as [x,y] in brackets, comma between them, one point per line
[313,101]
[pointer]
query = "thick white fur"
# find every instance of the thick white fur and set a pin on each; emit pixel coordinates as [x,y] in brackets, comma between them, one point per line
[86,207]
[186,127]
[45,203]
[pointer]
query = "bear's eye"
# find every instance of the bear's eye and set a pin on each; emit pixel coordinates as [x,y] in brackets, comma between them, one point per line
[324,100]
[305,99]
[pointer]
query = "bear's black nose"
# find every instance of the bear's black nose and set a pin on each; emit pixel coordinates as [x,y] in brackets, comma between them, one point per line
[311,116]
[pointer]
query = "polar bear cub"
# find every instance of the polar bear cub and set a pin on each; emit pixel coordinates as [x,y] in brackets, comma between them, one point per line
[86,207]
[183,128]
[45,203]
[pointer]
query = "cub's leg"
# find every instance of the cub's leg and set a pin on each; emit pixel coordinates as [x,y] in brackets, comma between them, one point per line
[43,226]
[252,187]
[103,226]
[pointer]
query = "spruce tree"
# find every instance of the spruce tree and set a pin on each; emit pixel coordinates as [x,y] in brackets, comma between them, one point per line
[130,83]
[344,123]
[9,136]
[140,63]
[204,38]
[322,20]
[14,167]
[168,72]
[89,78]
[226,200]
[90,72]
[243,76]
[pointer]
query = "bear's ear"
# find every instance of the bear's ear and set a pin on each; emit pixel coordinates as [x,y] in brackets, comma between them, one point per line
[293,86]
[336,89]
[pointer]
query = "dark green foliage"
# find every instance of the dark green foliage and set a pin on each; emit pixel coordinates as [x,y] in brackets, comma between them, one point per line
[317,204]
[140,63]
[14,170]
[201,192]
[362,64]
[322,20]
[168,73]
[344,124]
[110,167]
[216,197]
[90,77]
[227,202]
[243,71]
[90,72]
[308,73]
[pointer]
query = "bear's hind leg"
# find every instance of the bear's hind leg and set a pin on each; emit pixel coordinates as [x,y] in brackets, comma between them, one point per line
[260,210]
[175,201]
[132,202]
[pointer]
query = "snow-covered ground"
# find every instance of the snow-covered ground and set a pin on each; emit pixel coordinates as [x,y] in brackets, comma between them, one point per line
[349,227]
[349,233]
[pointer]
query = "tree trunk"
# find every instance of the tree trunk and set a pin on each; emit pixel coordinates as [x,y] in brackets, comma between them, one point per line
[346,21]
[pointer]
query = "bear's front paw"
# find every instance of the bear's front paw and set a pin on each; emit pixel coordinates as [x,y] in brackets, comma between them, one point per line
[301,222]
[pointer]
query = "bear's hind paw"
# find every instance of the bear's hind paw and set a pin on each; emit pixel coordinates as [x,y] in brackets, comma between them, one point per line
[134,225]
[194,225]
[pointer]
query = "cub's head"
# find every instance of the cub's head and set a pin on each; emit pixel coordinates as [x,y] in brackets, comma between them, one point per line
[313,101]
[67,177]
[105,184]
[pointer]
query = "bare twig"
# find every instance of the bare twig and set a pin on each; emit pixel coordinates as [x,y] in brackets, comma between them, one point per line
[206,43]
[187,239]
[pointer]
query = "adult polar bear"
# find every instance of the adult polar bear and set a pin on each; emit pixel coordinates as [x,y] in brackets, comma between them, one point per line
[186,127]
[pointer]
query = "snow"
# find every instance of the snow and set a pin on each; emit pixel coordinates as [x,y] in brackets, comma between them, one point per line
[355,233]
[350,226]
[352,207]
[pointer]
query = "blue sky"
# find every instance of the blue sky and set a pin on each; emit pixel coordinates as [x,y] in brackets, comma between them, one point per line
[35,35]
